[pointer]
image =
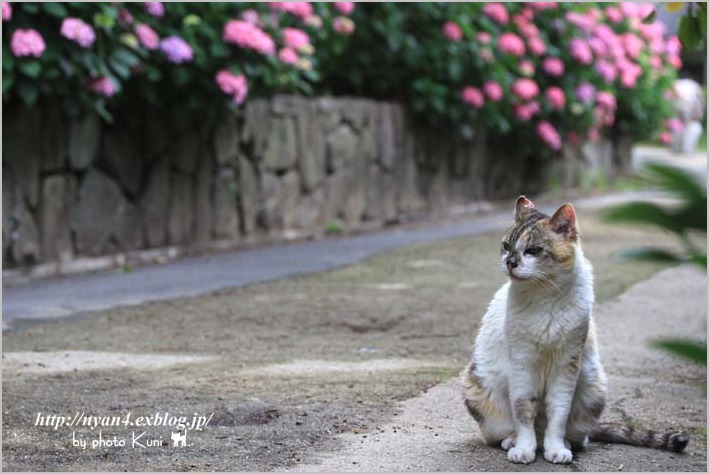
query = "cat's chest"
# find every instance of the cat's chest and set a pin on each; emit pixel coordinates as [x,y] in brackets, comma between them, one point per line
[544,322]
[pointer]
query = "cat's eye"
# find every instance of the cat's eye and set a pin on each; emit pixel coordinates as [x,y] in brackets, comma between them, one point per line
[533,251]
[506,246]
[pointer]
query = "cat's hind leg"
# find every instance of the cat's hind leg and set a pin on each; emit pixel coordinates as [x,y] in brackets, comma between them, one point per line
[491,413]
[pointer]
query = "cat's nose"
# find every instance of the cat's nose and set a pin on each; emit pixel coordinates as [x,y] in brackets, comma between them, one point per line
[512,263]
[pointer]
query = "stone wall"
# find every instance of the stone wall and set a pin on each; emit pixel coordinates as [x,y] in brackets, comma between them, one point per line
[284,168]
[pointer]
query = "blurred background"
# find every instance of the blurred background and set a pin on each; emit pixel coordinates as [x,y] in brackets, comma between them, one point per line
[184,127]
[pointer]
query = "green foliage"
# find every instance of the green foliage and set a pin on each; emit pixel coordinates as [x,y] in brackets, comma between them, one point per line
[693,26]
[688,216]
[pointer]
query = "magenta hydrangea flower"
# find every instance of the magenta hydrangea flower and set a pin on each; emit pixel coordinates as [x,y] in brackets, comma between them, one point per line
[581,51]
[103,86]
[288,56]
[493,91]
[248,36]
[525,112]
[302,10]
[555,97]
[6,11]
[537,46]
[156,9]
[27,42]
[497,12]
[606,100]
[614,15]
[607,71]
[473,96]
[148,38]
[346,8]
[233,85]
[251,16]
[295,38]
[553,66]
[78,31]
[525,89]
[176,49]
[343,25]
[452,31]
[526,67]
[549,135]
[483,37]
[511,43]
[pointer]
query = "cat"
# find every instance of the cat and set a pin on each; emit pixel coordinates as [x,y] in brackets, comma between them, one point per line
[535,369]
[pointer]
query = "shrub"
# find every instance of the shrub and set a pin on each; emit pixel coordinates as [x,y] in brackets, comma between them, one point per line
[536,74]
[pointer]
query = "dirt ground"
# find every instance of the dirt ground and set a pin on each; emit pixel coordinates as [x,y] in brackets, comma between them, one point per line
[287,368]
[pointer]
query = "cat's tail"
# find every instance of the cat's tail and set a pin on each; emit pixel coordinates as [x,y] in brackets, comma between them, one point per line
[619,433]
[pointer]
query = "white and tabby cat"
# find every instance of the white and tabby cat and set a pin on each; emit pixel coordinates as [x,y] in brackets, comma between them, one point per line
[535,370]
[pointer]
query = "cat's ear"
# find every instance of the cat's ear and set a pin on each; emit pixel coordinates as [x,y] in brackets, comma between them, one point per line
[563,222]
[522,207]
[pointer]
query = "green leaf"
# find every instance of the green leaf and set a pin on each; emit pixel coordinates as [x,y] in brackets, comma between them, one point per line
[651,17]
[31,68]
[694,351]
[8,60]
[125,56]
[119,68]
[28,93]
[675,179]
[30,8]
[7,82]
[651,254]
[55,9]
[690,32]
[643,213]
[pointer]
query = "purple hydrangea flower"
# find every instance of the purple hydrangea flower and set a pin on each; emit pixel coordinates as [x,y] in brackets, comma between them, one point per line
[176,49]
[586,93]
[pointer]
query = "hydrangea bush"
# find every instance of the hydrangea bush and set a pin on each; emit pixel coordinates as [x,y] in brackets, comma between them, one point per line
[547,73]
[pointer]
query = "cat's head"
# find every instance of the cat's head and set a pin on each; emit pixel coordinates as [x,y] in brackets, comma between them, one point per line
[538,247]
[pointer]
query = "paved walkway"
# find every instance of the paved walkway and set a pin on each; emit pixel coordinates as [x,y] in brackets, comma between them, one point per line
[200,275]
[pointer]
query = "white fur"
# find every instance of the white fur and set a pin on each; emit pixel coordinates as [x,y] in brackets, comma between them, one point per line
[528,335]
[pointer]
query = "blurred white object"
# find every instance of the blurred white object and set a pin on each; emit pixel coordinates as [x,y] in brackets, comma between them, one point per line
[689,105]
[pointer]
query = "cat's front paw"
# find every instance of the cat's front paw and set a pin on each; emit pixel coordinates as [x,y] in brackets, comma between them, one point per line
[521,455]
[558,454]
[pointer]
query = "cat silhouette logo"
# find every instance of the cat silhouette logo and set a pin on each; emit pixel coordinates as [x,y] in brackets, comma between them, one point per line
[179,437]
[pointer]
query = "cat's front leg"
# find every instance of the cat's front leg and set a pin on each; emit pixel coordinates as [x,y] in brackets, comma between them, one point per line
[524,401]
[561,385]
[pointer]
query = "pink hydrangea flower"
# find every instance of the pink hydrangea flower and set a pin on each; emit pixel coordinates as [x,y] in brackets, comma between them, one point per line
[486,55]
[483,37]
[526,67]
[147,37]
[555,97]
[553,66]
[582,21]
[343,25]
[497,12]
[543,5]
[674,124]
[581,51]
[78,31]
[251,16]
[673,46]
[452,31]
[473,96]
[632,45]
[27,42]
[525,112]
[606,70]
[549,135]
[629,9]
[493,91]
[248,36]
[537,46]
[346,8]
[511,43]
[302,10]
[288,56]
[6,11]
[525,89]
[295,38]
[125,18]
[103,86]
[674,61]
[665,138]
[656,62]
[606,100]
[233,85]
[598,46]
[156,9]
[614,15]
[176,49]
